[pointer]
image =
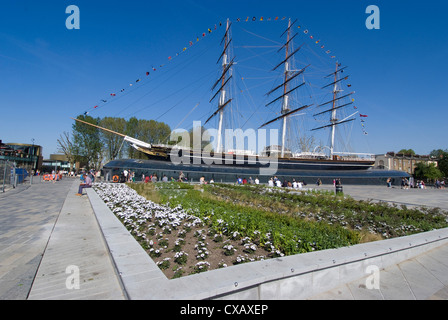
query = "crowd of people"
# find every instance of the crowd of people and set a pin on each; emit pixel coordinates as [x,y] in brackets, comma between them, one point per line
[130,176]
[247,181]
[416,184]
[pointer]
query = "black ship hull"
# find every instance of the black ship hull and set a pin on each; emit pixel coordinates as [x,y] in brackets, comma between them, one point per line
[351,172]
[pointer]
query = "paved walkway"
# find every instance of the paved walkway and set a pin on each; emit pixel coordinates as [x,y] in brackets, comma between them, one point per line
[429,197]
[49,236]
[422,278]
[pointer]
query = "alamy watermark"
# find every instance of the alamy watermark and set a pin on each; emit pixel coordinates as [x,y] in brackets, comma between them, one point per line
[72,281]
[195,152]
[73,20]
[373,20]
[373,280]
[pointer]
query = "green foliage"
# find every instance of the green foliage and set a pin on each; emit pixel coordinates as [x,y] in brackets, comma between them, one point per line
[407,151]
[86,141]
[150,131]
[442,160]
[112,142]
[427,171]
[290,233]
[298,221]
[92,143]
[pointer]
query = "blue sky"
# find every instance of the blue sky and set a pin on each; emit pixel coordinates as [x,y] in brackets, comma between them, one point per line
[49,73]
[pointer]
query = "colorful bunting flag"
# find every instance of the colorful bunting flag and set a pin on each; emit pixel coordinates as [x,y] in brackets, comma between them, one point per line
[306,31]
[169,58]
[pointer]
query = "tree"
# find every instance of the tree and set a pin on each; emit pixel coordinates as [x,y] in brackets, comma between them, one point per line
[433,172]
[87,142]
[93,144]
[407,151]
[307,143]
[442,160]
[149,131]
[443,164]
[427,171]
[132,131]
[66,146]
[112,143]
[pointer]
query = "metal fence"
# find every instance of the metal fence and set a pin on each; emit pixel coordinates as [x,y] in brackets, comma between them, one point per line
[10,175]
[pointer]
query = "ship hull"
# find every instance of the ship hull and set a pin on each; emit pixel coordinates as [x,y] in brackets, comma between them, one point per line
[351,172]
[246,162]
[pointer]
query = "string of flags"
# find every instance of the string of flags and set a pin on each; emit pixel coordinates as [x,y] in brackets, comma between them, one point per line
[317,41]
[193,42]
[154,68]
[362,116]
[306,31]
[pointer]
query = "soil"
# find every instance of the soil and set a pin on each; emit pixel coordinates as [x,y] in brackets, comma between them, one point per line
[165,242]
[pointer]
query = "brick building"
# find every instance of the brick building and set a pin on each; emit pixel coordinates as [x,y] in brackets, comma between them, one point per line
[401,162]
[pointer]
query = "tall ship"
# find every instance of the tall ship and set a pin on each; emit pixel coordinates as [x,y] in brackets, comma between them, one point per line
[277,159]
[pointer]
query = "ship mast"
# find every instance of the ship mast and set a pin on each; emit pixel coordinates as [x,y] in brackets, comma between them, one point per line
[289,75]
[223,79]
[334,121]
[285,105]
[333,112]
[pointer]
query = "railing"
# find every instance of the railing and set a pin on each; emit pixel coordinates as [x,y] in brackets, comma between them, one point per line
[355,156]
[10,175]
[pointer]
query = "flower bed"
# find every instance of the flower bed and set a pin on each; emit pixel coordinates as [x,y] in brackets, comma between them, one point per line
[201,228]
[179,242]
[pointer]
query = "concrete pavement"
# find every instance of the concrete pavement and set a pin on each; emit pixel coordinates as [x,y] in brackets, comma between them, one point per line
[48,237]
[27,217]
[424,277]
[429,197]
